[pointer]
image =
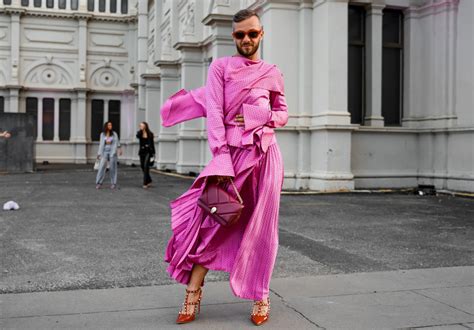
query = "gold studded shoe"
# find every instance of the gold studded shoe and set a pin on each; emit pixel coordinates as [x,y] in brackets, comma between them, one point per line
[260,317]
[189,314]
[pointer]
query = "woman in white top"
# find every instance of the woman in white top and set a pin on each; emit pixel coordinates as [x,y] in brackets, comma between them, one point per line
[108,147]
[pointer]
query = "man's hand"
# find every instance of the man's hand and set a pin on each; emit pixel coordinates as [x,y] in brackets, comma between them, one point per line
[239,119]
[120,151]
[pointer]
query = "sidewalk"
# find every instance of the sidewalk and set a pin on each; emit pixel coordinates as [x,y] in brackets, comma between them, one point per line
[439,298]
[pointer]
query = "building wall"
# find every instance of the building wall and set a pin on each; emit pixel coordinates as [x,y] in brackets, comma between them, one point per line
[73,54]
[161,46]
[322,150]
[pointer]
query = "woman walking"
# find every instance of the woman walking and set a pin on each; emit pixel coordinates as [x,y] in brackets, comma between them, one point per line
[243,101]
[108,147]
[146,152]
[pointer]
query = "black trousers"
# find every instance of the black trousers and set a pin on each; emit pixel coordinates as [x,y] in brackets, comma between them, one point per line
[145,165]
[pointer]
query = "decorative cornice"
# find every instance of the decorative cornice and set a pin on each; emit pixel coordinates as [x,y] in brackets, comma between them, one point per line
[166,63]
[68,15]
[14,10]
[182,45]
[217,18]
[151,75]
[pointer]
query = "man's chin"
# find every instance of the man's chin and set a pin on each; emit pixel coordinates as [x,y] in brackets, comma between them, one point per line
[246,53]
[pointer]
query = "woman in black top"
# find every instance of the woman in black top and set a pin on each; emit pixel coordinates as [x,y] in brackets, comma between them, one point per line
[146,152]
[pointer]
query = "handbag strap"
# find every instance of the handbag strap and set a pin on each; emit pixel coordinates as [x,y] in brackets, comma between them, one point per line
[236,192]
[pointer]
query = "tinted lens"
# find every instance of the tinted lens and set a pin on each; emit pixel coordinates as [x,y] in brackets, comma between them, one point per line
[239,35]
[253,34]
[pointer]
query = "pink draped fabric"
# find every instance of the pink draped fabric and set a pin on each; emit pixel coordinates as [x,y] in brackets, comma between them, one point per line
[247,250]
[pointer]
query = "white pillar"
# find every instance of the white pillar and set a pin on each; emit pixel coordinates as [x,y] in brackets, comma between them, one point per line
[56,119]
[106,110]
[330,125]
[190,158]
[142,41]
[81,117]
[373,62]
[82,48]
[15,47]
[40,119]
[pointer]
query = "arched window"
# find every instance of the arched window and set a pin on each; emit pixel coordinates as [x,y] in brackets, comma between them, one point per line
[49,3]
[124,7]
[113,6]
[62,4]
[102,6]
[37,3]
[74,4]
[90,5]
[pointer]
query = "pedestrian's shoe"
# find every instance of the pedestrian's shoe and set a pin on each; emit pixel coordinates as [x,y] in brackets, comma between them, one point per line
[98,186]
[261,316]
[113,186]
[190,309]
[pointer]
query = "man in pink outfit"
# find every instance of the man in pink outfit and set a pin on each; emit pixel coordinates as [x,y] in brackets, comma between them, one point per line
[243,101]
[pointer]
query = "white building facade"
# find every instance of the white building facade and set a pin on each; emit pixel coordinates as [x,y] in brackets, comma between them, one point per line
[380,92]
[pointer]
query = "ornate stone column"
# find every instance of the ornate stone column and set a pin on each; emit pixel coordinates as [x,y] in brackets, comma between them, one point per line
[14,84]
[373,62]
[330,124]
[56,120]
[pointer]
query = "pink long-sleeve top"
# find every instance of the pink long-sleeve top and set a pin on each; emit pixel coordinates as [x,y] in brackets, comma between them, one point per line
[235,85]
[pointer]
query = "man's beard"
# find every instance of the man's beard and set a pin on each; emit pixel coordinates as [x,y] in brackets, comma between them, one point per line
[249,52]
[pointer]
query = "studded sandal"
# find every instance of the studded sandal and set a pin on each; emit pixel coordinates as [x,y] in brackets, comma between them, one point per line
[189,315]
[259,317]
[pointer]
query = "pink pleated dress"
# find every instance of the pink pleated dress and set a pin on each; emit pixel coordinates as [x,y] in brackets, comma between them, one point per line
[250,154]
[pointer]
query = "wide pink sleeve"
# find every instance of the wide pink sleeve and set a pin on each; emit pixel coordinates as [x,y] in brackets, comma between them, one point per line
[215,120]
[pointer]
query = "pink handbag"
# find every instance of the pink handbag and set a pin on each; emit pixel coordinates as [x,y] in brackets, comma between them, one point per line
[220,205]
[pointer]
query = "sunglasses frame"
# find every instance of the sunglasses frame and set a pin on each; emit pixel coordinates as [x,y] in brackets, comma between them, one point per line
[247,33]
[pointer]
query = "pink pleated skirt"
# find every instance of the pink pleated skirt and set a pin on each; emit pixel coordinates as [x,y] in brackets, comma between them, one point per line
[246,250]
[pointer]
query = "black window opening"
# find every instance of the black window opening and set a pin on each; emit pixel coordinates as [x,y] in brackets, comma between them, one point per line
[114,115]
[97,119]
[74,4]
[356,64]
[392,67]
[37,3]
[62,4]
[25,3]
[32,109]
[7,2]
[102,6]
[64,119]
[48,119]
[113,6]
[2,104]
[90,5]
[49,3]
[124,6]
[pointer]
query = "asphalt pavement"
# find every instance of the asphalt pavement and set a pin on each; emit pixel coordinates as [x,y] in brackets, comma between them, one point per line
[346,261]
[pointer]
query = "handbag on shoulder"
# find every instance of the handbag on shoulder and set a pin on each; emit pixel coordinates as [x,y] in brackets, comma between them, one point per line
[220,205]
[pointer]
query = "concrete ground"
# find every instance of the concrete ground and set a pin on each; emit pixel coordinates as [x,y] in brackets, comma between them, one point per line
[345,261]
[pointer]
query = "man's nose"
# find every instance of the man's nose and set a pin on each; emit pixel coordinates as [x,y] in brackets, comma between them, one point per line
[246,38]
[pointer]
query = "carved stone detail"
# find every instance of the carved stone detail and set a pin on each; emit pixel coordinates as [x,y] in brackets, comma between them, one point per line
[49,73]
[187,19]
[106,76]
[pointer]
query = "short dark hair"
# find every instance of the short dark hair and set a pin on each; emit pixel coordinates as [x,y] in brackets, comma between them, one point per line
[244,14]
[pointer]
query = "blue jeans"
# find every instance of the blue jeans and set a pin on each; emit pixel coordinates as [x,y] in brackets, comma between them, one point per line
[112,159]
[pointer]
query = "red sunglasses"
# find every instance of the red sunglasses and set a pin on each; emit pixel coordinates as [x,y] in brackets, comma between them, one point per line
[253,34]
